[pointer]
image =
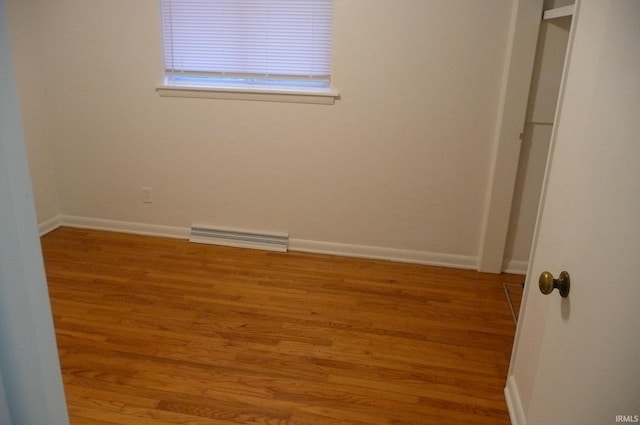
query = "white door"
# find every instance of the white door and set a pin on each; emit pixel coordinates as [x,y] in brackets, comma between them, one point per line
[576,360]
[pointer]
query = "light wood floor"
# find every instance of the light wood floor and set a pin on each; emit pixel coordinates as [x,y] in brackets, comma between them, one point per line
[161,331]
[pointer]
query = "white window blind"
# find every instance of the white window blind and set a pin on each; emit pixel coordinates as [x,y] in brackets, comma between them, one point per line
[281,42]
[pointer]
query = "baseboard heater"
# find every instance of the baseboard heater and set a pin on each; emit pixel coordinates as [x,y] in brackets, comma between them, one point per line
[239,238]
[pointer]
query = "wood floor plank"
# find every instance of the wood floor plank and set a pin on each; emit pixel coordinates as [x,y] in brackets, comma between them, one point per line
[161,331]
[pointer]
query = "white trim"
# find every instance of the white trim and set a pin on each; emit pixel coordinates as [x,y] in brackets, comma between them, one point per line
[317,97]
[300,245]
[49,225]
[559,12]
[391,254]
[124,227]
[515,266]
[514,404]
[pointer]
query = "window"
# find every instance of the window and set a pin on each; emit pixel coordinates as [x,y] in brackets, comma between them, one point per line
[256,46]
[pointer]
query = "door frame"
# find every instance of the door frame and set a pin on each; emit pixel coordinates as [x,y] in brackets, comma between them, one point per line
[32,389]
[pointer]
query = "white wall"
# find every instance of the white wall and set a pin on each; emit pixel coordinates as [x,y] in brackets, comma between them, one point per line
[400,161]
[26,40]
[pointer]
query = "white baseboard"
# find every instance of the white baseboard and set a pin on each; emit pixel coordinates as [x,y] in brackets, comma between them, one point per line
[516,267]
[123,226]
[391,254]
[514,405]
[49,225]
[301,245]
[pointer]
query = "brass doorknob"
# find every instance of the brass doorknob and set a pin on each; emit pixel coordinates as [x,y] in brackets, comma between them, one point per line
[547,283]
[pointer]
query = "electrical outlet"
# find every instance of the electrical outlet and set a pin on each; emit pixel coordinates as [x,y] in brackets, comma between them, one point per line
[146,195]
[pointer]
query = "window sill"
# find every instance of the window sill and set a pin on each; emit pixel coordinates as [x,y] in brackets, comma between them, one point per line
[312,96]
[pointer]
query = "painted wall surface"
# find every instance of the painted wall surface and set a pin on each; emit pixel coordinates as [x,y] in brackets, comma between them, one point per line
[26,41]
[400,161]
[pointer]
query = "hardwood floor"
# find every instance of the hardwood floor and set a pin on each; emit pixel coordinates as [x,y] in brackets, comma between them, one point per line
[162,331]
